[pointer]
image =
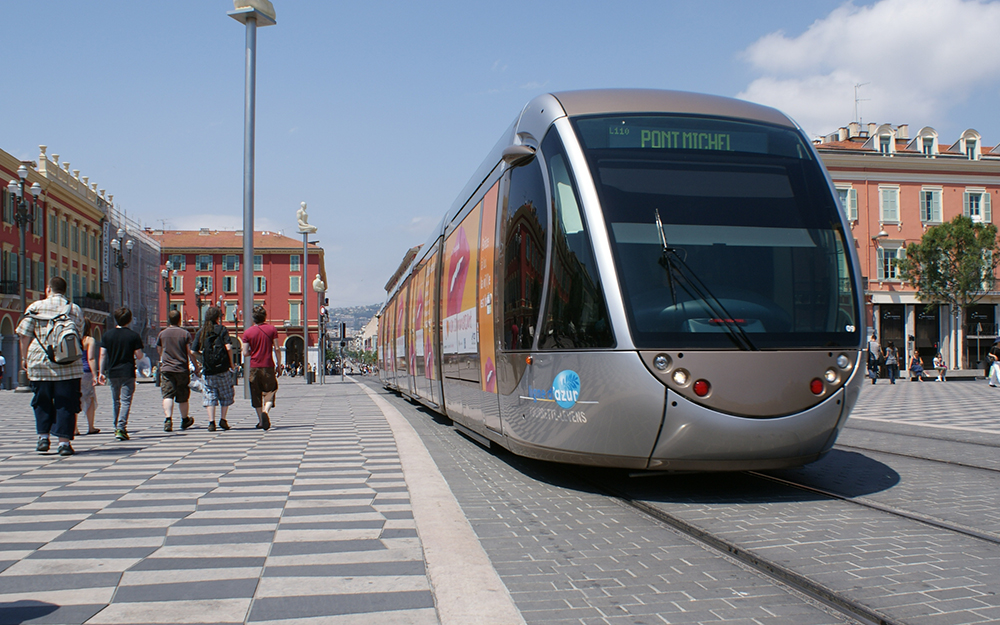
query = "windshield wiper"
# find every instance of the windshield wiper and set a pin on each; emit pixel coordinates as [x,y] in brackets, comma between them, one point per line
[680,273]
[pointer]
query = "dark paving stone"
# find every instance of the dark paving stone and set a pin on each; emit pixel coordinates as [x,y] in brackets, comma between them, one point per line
[359,569]
[331,510]
[99,553]
[111,534]
[62,581]
[326,546]
[188,591]
[399,533]
[220,539]
[267,609]
[333,525]
[173,564]
[44,613]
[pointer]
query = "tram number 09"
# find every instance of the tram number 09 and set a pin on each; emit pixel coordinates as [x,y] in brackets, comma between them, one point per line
[618,130]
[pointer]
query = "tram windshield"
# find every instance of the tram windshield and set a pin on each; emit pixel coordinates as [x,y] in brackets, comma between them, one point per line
[742,212]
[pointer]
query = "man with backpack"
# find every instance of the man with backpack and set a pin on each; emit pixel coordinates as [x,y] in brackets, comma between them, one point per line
[120,348]
[49,332]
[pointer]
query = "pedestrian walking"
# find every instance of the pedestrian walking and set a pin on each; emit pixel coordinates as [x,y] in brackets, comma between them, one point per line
[88,394]
[217,360]
[174,348]
[56,386]
[874,357]
[892,361]
[994,358]
[258,344]
[120,349]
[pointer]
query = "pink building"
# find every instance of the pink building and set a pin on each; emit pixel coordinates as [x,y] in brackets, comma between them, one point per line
[893,187]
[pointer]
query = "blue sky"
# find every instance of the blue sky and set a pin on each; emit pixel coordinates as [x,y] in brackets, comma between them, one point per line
[376,113]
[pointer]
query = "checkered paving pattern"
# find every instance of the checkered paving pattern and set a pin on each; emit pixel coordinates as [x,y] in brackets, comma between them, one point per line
[961,405]
[307,523]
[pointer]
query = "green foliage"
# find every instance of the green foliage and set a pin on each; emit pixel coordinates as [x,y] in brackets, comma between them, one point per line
[954,263]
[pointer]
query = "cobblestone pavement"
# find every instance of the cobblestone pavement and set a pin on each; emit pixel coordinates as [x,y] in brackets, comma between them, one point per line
[310,522]
[313,522]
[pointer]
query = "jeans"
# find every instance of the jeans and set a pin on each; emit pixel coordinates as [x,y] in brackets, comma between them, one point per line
[56,404]
[893,370]
[122,390]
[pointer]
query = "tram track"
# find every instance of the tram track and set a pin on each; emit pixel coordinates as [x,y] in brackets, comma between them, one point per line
[829,597]
[952,463]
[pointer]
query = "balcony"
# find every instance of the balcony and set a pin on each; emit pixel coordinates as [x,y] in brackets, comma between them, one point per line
[93,304]
[10,287]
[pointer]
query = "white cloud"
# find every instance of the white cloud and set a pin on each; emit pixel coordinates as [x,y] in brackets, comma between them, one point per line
[919,57]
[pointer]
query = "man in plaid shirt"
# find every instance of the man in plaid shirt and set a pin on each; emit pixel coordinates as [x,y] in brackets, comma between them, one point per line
[56,387]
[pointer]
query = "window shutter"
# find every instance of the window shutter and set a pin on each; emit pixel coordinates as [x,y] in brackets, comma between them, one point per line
[880,264]
[852,200]
[936,206]
[965,204]
[987,217]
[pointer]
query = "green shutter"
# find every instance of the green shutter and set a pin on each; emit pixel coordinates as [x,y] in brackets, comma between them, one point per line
[987,217]
[965,204]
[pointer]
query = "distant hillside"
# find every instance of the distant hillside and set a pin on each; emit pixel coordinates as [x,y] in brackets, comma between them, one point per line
[354,316]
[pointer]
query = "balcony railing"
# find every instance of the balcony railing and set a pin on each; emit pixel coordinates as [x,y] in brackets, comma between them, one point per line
[93,304]
[10,287]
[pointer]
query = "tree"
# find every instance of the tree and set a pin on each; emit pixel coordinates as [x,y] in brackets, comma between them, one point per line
[954,263]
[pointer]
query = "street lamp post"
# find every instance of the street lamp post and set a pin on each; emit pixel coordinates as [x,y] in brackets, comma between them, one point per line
[121,262]
[198,301]
[251,13]
[320,287]
[168,273]
[24,214]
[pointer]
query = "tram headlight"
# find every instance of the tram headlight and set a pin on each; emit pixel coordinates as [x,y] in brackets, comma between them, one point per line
[680,377]
[843,361]
[662,362]
[830,375]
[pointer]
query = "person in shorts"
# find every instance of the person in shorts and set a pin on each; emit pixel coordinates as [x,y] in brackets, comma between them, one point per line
[174,347]
[218,377]
[258,344]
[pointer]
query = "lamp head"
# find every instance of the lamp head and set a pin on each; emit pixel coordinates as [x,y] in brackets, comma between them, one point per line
[22,172]
[13,188]
[121,233]
[36,190]
[881,234]
[115,244]
[169,265]
[164,273]
[130,244]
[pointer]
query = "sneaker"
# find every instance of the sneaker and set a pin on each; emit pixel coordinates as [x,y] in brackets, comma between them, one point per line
[187,422]
[223,424]
[43,444]
[121,435]
[211,426]
[265,422]
[65,449]
[168,425]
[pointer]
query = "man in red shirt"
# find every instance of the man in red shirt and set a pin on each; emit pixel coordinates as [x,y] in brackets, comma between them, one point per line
[258,343]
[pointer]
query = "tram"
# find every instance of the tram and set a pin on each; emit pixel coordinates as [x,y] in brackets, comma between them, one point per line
[641,279]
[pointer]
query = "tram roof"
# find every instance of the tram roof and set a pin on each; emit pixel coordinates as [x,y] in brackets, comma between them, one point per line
[597,101]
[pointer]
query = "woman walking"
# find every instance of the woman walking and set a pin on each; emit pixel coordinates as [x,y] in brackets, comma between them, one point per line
[88,398]
[217,364]
[892,362]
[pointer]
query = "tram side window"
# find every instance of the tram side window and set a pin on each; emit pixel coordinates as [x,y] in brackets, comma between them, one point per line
[525,222]
[576,315]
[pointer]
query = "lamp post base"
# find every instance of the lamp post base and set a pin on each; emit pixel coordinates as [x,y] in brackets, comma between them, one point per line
[23,386]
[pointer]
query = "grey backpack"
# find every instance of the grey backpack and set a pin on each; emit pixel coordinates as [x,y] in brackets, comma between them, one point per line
[58,337]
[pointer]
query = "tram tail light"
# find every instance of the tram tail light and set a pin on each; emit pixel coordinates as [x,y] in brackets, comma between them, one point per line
[701,388]
[816,386]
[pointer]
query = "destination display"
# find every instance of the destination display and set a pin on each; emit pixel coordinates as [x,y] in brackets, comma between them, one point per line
[674,133]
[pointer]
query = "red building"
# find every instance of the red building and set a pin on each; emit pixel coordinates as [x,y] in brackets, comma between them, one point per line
[213,260]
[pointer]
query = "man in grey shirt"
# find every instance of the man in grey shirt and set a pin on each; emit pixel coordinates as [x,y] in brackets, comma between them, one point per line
[174,347]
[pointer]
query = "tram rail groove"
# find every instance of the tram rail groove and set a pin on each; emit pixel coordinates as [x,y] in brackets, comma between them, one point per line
[800,583]
[971,532]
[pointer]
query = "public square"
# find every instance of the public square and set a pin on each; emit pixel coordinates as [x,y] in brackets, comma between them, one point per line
[319,521]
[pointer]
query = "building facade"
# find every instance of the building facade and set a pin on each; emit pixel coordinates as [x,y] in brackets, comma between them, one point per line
[894,187]
[64,239]
[212,260]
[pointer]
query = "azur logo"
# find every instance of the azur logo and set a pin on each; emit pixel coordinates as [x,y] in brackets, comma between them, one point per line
[566,388]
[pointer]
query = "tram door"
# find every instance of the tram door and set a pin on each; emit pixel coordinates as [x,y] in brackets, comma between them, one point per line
[893,328]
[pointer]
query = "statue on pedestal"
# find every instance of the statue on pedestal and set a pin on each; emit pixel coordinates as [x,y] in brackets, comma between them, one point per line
[303,216]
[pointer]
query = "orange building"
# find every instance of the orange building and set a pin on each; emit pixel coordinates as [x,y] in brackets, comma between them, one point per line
[893,187]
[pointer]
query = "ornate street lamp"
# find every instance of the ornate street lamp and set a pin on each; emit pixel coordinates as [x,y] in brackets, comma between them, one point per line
[168,274]
[24,213]
[121,262]
[198,301]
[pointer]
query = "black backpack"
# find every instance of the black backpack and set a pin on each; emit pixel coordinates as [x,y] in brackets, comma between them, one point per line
[214,354]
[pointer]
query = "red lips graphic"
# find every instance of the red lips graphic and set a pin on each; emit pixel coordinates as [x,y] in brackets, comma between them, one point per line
[458,268]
